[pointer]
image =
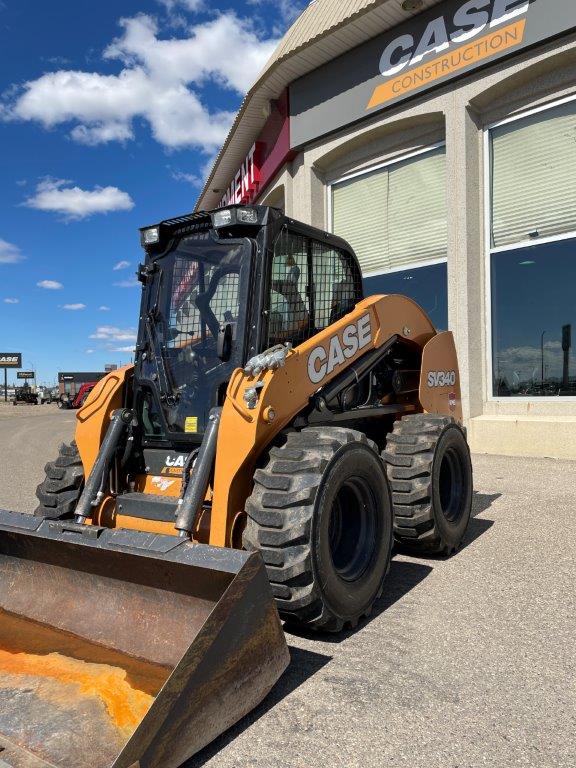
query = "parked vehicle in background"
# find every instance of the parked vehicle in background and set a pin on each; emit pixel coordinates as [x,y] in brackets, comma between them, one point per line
[24,395]
[67,401]
[47,395]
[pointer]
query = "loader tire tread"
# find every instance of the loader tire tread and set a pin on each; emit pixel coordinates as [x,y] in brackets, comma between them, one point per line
[280,515]
[413,449]
[60,490]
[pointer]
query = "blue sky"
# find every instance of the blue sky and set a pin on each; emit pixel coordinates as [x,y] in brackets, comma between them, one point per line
[110,116]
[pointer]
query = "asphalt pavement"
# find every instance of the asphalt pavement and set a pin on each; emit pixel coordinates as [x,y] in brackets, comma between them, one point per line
[466,662]
[29,438]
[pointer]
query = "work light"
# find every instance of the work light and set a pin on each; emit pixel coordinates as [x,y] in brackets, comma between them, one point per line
[247,215]
[151,236]
[223,218]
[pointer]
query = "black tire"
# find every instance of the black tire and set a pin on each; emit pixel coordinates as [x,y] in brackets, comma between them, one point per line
[429,468]
[58,494]
[321,515]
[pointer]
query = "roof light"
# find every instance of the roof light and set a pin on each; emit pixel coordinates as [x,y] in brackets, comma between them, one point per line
[222,218]
[247,215]
[151,236]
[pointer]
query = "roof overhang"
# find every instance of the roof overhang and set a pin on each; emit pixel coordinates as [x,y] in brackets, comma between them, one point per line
[324,31]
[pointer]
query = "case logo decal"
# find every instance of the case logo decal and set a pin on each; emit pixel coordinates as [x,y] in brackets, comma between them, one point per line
[322,362]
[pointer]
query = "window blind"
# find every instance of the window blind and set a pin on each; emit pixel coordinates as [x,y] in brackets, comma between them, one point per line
[534,176]
[417,220]
[395,217]
[358,209]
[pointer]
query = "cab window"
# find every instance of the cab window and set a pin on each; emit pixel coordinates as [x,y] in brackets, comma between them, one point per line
[312,285]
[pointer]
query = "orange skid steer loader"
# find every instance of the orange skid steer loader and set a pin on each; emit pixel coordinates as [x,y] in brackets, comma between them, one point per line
[277,432]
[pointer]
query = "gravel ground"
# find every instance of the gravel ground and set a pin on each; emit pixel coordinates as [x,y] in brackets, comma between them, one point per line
[466,663]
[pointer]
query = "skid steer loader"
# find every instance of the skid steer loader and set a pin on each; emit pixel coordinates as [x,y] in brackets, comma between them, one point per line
[277,432]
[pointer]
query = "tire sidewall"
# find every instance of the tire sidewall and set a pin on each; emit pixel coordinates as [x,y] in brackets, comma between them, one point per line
[452,532]
[351,599]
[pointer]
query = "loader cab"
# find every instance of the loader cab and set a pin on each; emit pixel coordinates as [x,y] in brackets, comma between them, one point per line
[219,288]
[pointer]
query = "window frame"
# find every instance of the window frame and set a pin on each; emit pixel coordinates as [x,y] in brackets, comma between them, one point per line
[489,251]
[365,172]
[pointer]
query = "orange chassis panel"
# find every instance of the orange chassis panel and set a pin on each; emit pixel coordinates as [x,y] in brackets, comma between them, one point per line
[244,434]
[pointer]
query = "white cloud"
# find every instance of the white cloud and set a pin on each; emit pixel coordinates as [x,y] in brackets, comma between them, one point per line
[189,178]
[50,285]
[11,301]
[122,349]
[75,203]
[121,265]
[9,253]
[188,5]
[74,307]
[225,50]
[112,333]
[89,352]
[156,84]
[131,282]
[101,133]
[104,308]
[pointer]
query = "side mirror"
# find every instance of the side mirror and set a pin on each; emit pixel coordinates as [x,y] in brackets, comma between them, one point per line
[224,343]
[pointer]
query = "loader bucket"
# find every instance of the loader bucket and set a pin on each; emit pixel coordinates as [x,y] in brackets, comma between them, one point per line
[121,649]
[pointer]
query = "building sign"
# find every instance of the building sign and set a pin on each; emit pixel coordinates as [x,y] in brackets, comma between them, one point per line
[245,184]
[268,155]
[461,47]
[25,375]
[10,360]
[452,39]
[80,377]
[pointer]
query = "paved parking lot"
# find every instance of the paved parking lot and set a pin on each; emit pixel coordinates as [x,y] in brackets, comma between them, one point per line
[466,663]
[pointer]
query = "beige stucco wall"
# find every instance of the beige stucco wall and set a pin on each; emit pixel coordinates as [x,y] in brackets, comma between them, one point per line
[457,114]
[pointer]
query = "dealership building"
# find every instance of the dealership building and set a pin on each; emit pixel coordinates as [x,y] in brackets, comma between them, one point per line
[71,382]
[439,139]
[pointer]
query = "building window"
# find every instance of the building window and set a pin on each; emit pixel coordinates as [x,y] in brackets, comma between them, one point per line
[426,285]
[395,219]
[533,253]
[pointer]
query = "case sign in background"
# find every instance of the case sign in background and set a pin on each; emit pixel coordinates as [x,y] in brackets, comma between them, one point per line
[450,40]
[9,360]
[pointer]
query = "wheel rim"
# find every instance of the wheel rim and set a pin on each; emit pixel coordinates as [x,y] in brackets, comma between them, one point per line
[452,486]
[352,530]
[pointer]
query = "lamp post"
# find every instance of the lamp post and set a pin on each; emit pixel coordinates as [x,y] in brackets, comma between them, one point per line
[542,356]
